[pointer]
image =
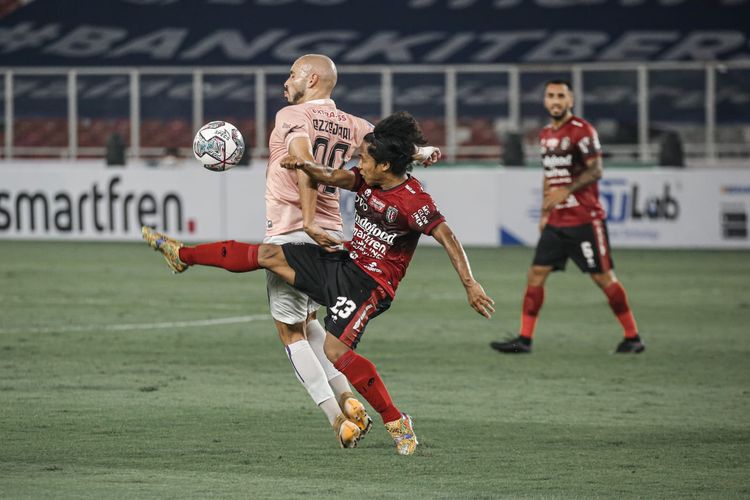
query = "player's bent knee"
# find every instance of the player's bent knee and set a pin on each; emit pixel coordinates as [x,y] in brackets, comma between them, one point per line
[538,275]
[334,348]
[270,256]
[289,334]
[603,280]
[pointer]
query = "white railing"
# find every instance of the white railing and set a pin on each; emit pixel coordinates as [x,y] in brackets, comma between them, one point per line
[706,148]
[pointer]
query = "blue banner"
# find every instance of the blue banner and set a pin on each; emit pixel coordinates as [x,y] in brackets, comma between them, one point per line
[271,32]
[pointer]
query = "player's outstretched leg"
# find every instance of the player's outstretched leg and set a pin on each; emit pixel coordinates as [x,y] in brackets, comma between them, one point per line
[168,247]
[231,255]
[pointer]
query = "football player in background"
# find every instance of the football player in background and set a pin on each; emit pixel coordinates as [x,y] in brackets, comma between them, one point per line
[358,283]
[572,220]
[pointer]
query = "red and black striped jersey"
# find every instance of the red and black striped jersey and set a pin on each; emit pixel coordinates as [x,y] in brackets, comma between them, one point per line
[387,227]
[564,154]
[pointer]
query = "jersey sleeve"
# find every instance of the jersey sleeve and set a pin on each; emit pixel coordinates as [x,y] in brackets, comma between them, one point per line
[588,142]
[291,122]
[423,214]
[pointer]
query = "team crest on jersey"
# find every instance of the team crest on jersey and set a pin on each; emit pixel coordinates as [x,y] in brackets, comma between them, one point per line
[391,214]
[565,144]
[367,193]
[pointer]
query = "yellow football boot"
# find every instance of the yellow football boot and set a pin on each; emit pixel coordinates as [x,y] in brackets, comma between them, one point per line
[402,432]
[168,247]
[346,431]
[355,411]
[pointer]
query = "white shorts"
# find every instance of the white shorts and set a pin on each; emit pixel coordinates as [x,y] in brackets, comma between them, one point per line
[288,304]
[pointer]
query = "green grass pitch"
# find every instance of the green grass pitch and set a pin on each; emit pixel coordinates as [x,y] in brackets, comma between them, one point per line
[99,398]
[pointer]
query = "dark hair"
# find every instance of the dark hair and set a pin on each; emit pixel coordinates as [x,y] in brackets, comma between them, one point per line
[558,81]
[393,140]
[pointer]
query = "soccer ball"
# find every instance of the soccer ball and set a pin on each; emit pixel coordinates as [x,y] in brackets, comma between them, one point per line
[218,146]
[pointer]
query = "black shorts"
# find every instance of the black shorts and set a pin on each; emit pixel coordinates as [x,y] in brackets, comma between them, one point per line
[587,245]
[352,298]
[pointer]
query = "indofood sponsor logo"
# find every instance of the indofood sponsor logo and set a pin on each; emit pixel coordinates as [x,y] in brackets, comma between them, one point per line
[98,209]
[372,229]
[554,161]
[625,201]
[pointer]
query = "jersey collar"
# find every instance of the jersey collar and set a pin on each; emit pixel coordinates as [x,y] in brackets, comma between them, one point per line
[398,186]
[570,118]
[322,101]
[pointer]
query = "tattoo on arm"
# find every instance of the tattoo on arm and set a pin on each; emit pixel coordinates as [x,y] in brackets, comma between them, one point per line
[592,174]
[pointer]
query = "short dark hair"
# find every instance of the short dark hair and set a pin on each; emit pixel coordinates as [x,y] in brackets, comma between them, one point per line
[393,140]
[558,81]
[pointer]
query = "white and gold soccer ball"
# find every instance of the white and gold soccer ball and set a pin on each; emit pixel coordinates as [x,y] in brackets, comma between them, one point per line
[218,146]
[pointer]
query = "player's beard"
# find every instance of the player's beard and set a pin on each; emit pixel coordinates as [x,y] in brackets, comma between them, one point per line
[559,115]
[296,97]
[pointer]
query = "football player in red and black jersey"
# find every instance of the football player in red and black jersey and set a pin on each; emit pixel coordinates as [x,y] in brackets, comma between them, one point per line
[572,223]
[357,283]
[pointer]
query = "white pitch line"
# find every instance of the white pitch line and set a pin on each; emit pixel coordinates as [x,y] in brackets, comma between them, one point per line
[139,326]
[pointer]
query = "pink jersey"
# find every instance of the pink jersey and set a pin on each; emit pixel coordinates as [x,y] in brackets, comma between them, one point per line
[387,227]
[564,155]
[334,136]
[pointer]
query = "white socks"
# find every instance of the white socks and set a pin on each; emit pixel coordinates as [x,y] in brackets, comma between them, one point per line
[321,379]
[311,375]
[316,335]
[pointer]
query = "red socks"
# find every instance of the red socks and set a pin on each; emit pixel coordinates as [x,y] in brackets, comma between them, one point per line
[363,375]
[618,301]
[230,255]
[532,303]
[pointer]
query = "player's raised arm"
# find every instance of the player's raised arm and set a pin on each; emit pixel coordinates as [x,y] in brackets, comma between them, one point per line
[300,147]
[474,291]
[427,155]
[342,178]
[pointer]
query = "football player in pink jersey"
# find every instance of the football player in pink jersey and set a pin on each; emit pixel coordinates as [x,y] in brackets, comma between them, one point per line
[573,222]
[358,283]
[297,211]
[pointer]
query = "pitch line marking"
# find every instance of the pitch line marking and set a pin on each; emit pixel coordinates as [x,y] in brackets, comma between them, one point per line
[233,320]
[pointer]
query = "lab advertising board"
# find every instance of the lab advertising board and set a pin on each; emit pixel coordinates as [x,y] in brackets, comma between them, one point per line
[645,209]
